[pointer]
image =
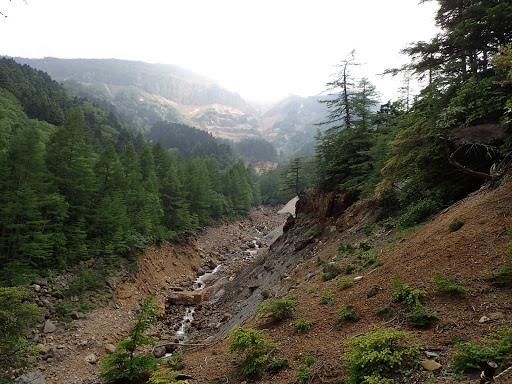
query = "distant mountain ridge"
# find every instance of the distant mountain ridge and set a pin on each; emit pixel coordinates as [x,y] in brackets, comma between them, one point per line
[148,93]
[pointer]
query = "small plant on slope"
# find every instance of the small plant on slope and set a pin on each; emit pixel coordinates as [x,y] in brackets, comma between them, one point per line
[496,347]
[258,350]
[302,325]
[277,308]
[124,366]
[379,353]
[304,371]
[448,284]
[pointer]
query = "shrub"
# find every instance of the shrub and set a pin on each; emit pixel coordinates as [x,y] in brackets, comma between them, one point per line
[319,261]
[496,347]
[326,297]
[455,225]
[330,271]
[304,371]
[421,318]
[16,317]
[379,353]
[346,314]
[277,308]
[124,366]
[311,232]
[344,250]
[165,376]
[349,268]
[276,365]
[448,284]
[259,351]
[403,293]
[313,289]
[302,325]
[345,283]
[377,379]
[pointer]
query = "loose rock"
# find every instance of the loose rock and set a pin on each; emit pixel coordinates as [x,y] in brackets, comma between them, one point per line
[49,327]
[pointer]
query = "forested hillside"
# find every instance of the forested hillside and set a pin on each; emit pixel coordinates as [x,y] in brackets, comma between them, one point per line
[422,155]
[75,184]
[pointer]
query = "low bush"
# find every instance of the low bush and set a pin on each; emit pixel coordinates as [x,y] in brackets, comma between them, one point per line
[346,314]
[455,225]
[449,284]
[165,376]
[302,325]
[496,347]
[277,308]
[403,293]
[259,351]
[344,250]
[345,283]
[330,271]
[326,298]
[304,371]
[378,354]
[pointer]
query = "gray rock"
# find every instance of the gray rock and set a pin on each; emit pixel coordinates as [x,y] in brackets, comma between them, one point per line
[40,281]
[35,377]
[159,352]
[49,327]
[75,315]
[110,348]
[185,298]
[92,358]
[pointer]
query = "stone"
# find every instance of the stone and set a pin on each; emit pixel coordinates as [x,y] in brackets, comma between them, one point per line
[484,319]
[49,327]
[35,377]
[40,281]
[431,354]
[430,365]
[159,352]
[497,316]
[110,348]
[266,293]
[37,288]
[185,298]
[91,358]
[358,278]
[75,315]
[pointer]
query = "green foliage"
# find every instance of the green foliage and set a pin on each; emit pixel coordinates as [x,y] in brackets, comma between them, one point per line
[449,284]
[421,318]
[346,314]
[496,347]
[302,325]
[326,298]
[16,317]
[305,373]
[124,365]
[319,261]
[379,353]
[255,150]
[403,293]
[258,350]
[455,225]
[345,283]
[89,279]
[313,289]
[165,376]
[311,232]
[377,379]
[330,271]
[344,250]
[277,364]
[278,309]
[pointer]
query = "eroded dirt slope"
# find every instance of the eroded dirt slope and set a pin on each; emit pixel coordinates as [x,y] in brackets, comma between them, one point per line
[466,254]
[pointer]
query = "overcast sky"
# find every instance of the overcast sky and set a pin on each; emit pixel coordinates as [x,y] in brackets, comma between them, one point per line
[263,49]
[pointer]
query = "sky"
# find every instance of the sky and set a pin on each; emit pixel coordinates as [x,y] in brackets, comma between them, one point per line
[264,50]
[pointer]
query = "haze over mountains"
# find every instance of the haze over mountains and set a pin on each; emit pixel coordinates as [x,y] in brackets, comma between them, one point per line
[148,93]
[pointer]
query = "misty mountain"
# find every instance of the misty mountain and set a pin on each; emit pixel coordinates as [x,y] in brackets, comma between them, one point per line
[148,93]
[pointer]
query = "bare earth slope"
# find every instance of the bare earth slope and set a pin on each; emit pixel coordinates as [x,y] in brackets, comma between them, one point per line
[477,247]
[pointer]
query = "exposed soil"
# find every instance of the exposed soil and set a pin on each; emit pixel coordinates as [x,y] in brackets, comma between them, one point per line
[465,254]
[293,264]
[170,266]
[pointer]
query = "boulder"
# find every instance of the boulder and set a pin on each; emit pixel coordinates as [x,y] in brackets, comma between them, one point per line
[92,358]
[110,348]
[430,365]
[159,352]
[41,281]
[49,327]
[35,377]
[185,298]
[75,315]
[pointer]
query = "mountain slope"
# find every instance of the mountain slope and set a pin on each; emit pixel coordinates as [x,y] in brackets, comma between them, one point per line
[292,267]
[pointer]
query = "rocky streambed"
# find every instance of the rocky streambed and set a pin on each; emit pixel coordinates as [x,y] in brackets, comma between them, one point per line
[71,351]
